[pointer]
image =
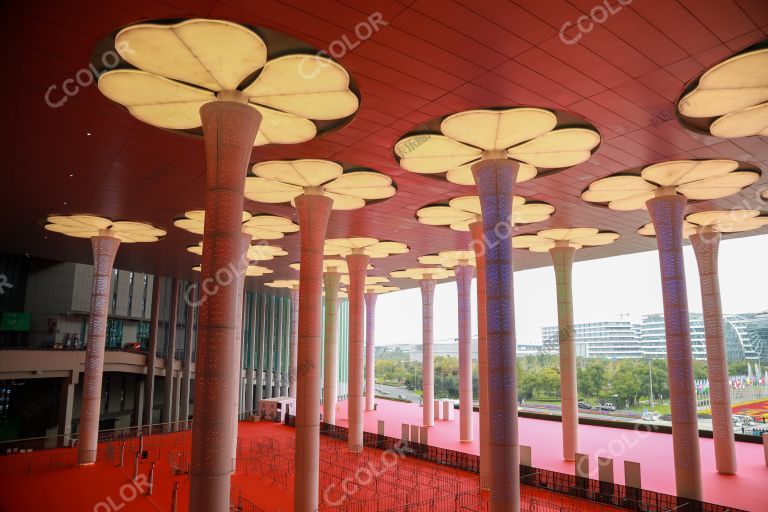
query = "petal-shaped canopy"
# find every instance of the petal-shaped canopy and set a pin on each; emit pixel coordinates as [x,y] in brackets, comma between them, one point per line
[463,211]
[363,185]
[498,129]
[87,226]
[559,148]
[729,221]
[155,100]
[370,246]
[282,128]
[742,123]
[567,234]
[443,215]
[369,280]
[679,172]
[577,238]
[269,191]
[378,289]
[214,54]
[732,85]
[256,271]
[302,173]
[449,259]
[194,221]
[463,175]
[283,283]
[431,153]
[649,229]
[718,186]
[308,86]
[269,227]
[423,273]
[332,265]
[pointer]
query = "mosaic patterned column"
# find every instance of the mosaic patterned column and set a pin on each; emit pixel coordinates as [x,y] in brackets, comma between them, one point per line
[476,229]
[251,357]
[428,352]
[294,342]
[229,129]
[562,260]
[149,388]
[357,264]
[104,252]
[314,210]
[237,353]
[187,365]
[667,213]
[706,243]
[370,350]
[170,352]
[495,181]
[331,351]
[463,286]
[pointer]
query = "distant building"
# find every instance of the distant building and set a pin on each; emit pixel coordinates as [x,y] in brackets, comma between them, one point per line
[450,347]
[746,338]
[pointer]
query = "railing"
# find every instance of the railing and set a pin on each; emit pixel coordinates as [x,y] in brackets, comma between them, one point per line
[606,493]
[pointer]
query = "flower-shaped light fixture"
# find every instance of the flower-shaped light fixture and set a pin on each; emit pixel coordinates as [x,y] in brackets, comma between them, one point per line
[460,212]
[371,247]
[369,280]
[577,238]
[256,252]
[281,181]
[250,270]
[694,179]
[720,221]
[449,259]
[88,226]
[423,273]
[534,137]
[731,98]
[169,70]
[331,265]
[379,289]
[260,226]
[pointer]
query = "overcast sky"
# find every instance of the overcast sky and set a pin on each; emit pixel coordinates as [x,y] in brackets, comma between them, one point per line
[602,290]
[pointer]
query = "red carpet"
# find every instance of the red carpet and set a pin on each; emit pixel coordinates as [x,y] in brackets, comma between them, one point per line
[746,490]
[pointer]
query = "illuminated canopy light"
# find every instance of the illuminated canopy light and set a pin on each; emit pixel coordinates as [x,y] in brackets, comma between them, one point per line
[250,271]
[260,227]
[335,265]
[88,226]
[577,238]
[423,273]
[284,283]
[449,259]
[735,94]
[463,211]
[256,252]
[529,136]
[181,67]
[369,280]
[381,289]
[370,246]
[281,181]
[695,179]
[722,221]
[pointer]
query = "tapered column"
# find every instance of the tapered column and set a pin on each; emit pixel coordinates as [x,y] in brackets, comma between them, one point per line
[370,350]
[66,401]
[495,181]
[277,386]
[104,251]
[331,281]
[154,320]
[476,229]
[269,357]
[463,286]
[562,260]
[229,128]
[186,369]
[170,350]
[357,263]
[705,245]
[138,402]
[428,353]
[251,356]
[237,353]
[314,210]
[667,213]
[261,367]
[294,342]
[176,399]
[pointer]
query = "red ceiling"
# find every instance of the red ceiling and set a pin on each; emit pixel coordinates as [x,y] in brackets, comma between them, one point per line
[434,57]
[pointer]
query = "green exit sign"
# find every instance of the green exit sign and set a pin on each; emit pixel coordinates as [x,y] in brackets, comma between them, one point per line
[14,322]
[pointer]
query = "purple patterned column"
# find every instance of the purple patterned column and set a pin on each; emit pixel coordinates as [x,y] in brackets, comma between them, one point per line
[463,286]
[562,261]
[476,228]
[495,181]
[331,281]
[428,352]
[357,263]
[314,211]
[667,213]
[294,342]
[104,252]
[229,129]
[370,350]
[706,243]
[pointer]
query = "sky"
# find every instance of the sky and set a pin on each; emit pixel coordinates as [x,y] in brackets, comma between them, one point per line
[603,289]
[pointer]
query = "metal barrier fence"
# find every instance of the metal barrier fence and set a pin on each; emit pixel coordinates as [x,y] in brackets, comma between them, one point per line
[605,493]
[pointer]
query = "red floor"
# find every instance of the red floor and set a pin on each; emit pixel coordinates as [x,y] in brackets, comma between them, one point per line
[746,490]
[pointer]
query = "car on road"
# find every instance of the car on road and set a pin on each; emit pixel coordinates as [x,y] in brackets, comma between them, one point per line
[401,396]
[585,405]
[607,406]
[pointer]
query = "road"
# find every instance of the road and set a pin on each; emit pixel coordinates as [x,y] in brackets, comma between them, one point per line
[394,392]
